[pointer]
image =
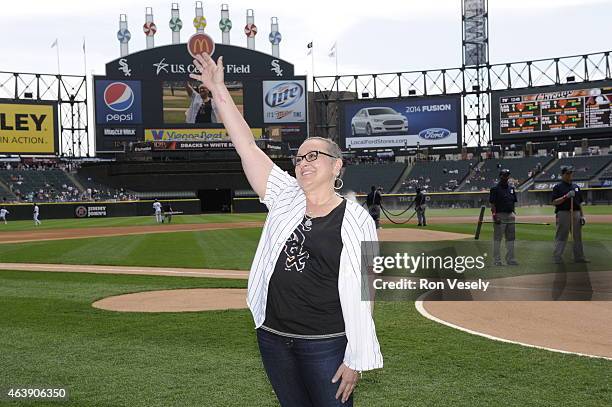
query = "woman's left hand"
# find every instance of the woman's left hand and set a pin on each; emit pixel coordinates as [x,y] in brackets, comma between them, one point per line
[349,378]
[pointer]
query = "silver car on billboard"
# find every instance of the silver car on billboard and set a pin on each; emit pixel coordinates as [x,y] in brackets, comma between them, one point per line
[376,120]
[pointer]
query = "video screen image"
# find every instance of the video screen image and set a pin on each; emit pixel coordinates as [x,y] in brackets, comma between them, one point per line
[189,102]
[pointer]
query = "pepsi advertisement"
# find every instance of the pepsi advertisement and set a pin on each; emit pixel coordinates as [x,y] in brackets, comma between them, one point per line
[396,123]
[118,102]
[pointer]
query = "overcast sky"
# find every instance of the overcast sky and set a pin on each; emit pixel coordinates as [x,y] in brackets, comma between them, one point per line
[372,36]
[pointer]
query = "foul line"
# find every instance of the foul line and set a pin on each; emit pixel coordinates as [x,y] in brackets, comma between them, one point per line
[421,309]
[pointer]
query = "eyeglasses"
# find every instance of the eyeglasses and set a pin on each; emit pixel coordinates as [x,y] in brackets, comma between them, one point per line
[310,156]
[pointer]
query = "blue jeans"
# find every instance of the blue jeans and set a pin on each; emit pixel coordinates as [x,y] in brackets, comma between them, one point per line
[301,370]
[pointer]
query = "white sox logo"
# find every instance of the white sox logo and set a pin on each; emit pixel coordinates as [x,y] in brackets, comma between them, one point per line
[276,67]
[124,67]
[294,249]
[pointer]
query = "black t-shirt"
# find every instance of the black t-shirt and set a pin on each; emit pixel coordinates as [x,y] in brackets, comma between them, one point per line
[205,113]
[303,298]
[563,188]
[503,196]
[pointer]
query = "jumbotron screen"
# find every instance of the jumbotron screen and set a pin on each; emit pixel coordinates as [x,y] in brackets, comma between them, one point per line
[544,114]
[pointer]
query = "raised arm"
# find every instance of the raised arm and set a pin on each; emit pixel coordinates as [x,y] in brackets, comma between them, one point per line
[189,89]
[256,164]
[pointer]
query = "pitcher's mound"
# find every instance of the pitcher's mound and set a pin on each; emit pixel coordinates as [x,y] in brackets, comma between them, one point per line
[192,299]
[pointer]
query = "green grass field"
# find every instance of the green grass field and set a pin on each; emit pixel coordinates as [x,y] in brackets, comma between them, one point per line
[51,336]
[206,249]
[129,221]
[248,217]
[210,249]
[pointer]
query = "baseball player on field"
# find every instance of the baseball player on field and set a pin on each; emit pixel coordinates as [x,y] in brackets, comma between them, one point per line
[36,213]
[157,206]
[3,213]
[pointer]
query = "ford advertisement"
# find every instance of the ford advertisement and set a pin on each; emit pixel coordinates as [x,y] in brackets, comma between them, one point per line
[392,123]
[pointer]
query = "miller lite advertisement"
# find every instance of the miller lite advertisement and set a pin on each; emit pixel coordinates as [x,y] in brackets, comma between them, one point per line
[284,101]
[118,102]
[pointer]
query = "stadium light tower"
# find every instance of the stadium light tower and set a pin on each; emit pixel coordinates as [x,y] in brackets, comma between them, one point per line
[225,24]
[250,29]
[475,56]
[149,28]
[199,21]
[175,23]
[123,35]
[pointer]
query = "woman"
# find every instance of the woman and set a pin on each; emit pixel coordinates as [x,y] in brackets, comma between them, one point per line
[201,106]
[315,334]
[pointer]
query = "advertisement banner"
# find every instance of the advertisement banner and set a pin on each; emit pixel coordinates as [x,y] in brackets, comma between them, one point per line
[87,211]
[146,146]
[119,132]
[284,101]
[28,128]
[118,102]
[191,134]
[434,121]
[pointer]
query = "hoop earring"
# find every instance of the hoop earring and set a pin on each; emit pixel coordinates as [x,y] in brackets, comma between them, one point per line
[336,182]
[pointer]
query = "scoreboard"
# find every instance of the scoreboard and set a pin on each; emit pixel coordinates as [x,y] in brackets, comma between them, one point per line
[522,115]
[147,101]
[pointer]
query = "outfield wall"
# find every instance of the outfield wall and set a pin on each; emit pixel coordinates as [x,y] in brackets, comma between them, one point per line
[67,210]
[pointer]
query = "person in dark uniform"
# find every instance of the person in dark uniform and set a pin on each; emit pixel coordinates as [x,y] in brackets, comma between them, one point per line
[567,198]
[373,201]
[420,205]
[502,198]
[167,213]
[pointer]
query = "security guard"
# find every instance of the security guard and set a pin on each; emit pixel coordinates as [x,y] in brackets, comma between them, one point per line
[566,196]
[373,202]
[503,198]
[420,206]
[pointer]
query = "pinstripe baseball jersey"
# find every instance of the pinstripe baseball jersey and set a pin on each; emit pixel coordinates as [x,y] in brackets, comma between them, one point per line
[286,205]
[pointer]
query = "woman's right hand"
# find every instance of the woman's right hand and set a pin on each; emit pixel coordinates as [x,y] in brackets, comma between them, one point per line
[211,73]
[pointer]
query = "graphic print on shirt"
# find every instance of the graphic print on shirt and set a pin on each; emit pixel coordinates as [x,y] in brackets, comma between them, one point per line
[294,249]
